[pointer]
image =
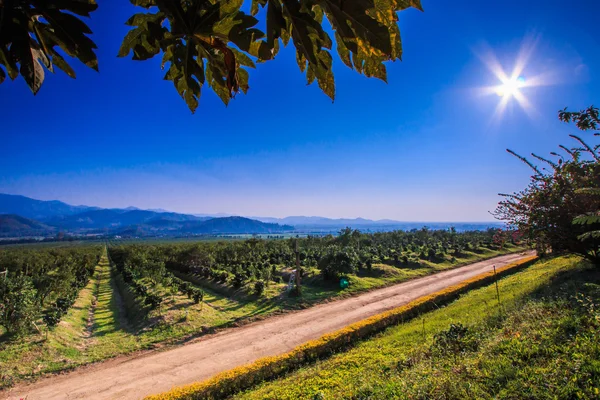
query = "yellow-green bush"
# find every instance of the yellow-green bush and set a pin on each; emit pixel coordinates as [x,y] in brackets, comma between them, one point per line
[237,379]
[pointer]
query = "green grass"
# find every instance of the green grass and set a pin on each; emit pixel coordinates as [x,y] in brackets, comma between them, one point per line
[544,344]
[113,332]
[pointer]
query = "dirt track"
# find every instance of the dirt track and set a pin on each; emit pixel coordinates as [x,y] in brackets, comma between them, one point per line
[155,372]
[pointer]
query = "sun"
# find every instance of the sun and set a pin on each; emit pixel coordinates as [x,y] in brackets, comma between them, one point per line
[510,87]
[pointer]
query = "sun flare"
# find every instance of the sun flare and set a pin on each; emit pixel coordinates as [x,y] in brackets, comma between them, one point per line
[510,87]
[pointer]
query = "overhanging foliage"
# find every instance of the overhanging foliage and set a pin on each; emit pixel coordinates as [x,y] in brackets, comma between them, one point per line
[212,42]
[32,32]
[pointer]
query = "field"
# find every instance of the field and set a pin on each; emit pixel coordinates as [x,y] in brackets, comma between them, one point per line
[111,314]
[542,342]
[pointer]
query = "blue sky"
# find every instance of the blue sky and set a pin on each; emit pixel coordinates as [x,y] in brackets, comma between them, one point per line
[424,147]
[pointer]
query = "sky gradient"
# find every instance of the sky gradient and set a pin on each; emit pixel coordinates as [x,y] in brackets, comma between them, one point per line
[424,147]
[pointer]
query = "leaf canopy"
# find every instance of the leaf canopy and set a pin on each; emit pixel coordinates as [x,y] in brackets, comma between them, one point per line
[214,42]
[32,32]
[207,42]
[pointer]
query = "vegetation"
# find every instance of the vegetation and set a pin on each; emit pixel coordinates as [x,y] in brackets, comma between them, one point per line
[230,382]
[207,42]
[163,292]
[236,266]
[542,343]
[32,32]
[42,283]
[539,341]
[560,194]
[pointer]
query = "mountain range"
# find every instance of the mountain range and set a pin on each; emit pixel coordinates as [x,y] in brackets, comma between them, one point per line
[23,216]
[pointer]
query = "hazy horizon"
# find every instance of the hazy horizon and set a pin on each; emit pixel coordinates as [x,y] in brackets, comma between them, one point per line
[163,209]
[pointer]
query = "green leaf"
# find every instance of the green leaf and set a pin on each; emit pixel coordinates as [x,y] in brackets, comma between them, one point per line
[589,235]
[355,22]
[195,33]
[312,44]
[9,64]
[145,39]
[144,3]
[132,40]
[589,191]
[243,59]
[343,51]
[31,69]
[242,78]
[226,39]
[69,33]
[404,4]
[32,30]
[256,4]
[44,60]
[587,219]
[276,23]
[79,7]
[62,64]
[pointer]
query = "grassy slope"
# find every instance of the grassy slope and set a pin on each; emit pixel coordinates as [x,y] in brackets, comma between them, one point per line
[544,345]
[112,333]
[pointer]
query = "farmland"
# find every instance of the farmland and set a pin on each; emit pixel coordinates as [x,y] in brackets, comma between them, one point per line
[126,298]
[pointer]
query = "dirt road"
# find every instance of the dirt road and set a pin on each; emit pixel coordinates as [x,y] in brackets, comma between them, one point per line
[155,372]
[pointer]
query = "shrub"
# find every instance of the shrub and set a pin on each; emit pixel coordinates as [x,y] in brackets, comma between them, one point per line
[184,287]
[259,287]
[153,300]
[223,277]
[198,296]
[52,317]
[18,305]
[238,281]
[337,262]
[559,194]
[455,340]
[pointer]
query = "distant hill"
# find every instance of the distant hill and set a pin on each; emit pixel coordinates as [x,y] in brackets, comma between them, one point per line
[37,209]
[149,223]
[16,225]
[235,225]
[118,218]
[205,226]
[53,216]
[57,216]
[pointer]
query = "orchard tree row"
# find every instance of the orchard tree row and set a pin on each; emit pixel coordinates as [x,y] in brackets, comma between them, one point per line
[147,280]
[41,284]
[258,262]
